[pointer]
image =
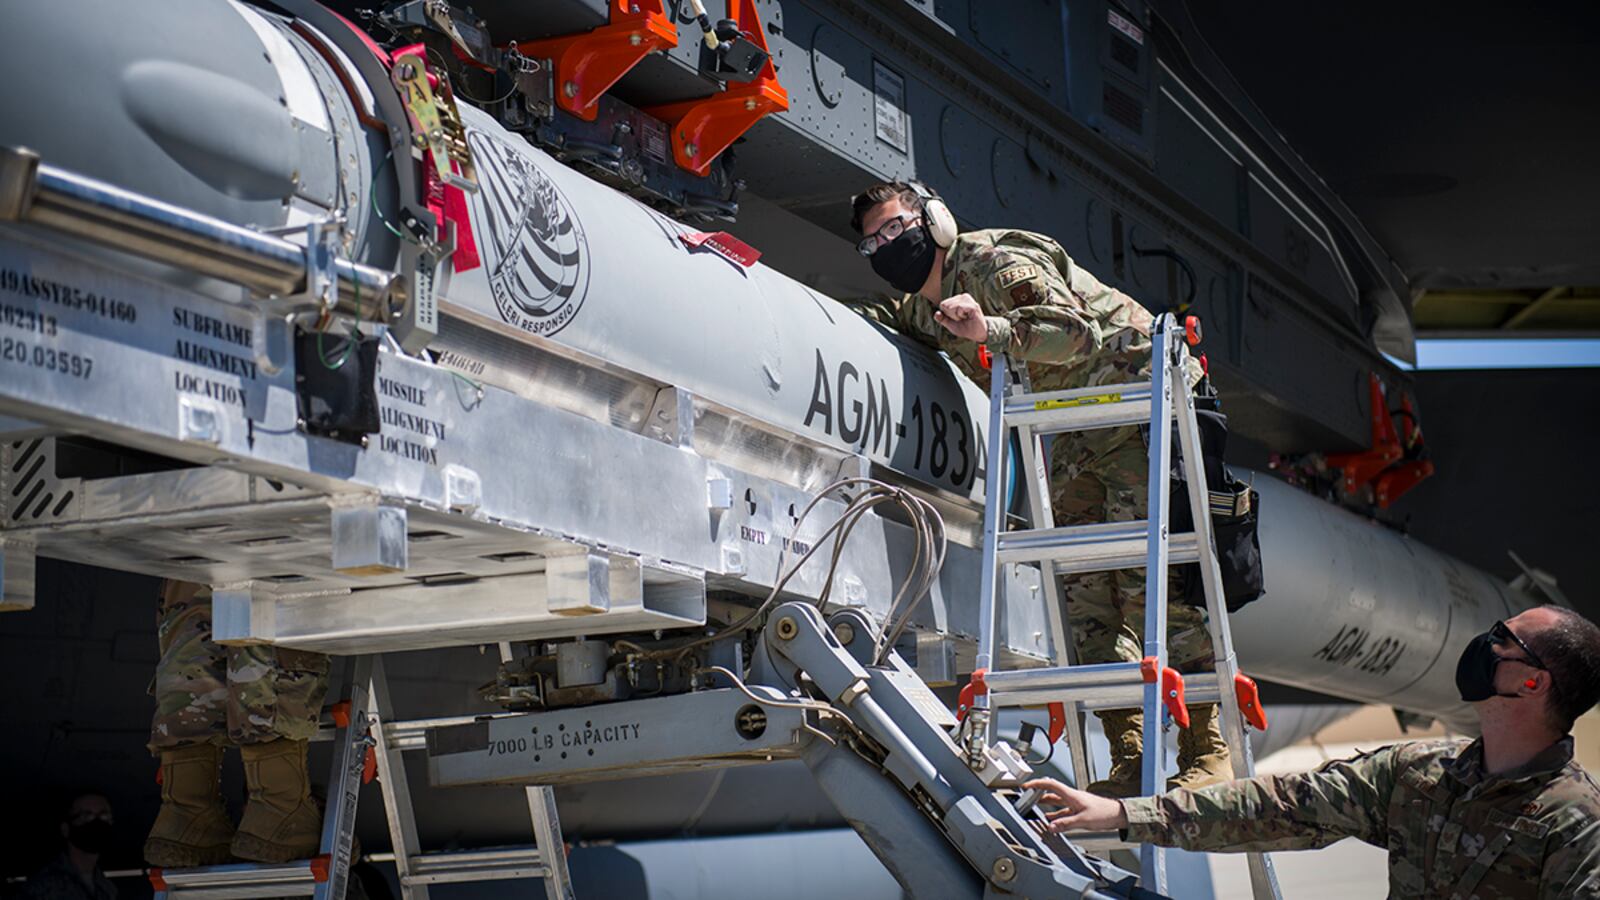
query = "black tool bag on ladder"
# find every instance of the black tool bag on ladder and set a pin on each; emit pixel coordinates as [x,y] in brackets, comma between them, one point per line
[1234,514]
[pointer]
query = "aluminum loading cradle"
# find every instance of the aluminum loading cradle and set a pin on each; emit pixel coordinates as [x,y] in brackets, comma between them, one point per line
[354,549]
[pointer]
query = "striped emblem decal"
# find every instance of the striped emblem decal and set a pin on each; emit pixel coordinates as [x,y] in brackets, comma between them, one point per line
[536,254]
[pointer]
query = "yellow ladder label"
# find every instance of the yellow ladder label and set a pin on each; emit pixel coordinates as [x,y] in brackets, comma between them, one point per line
[1093,400]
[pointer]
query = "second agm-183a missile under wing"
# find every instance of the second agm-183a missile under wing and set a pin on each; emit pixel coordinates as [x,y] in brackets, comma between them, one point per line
[579,300]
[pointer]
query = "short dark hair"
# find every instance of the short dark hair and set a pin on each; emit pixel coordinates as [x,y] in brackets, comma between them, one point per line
[1570,648]
[882,193]
[75,796]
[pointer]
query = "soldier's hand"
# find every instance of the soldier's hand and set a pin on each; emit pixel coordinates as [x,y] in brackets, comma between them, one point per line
[962,317]
[1078,810]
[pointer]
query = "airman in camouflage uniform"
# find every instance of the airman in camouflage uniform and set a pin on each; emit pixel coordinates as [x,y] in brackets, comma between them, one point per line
[1510,814]
[236,695]
[1451,830]
[75,873]
[1072,331]
[266,700]
[61,880]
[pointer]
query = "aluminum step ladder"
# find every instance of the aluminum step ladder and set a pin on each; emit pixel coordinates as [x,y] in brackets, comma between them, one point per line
[1150,683]
[368,742]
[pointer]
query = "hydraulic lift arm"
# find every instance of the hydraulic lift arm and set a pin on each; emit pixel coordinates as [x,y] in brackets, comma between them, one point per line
[874,737]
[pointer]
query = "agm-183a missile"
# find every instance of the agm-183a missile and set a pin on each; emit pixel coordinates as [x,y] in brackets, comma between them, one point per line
[583,298]
[1352,609]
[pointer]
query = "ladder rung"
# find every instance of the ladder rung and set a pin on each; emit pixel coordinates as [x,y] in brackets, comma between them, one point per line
[1197,688]
[482,873]
[1065,678]
[476,865]
[303,888]
[1092,548]
[242,880]
[445,867]
[444,859]
[408,734]
[411,734]
[1081,409]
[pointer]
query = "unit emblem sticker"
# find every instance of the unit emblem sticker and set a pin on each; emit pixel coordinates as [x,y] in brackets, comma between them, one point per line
[536,254]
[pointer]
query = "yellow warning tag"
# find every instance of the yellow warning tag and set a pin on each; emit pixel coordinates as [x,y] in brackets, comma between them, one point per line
[1093,400]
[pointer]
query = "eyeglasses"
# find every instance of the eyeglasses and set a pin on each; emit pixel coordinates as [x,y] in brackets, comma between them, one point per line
[886,232]
[1499,633]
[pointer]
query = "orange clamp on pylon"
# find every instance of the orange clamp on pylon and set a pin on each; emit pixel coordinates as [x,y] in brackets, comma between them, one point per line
[1244,688]
[1404,476]
[985,358]
[340,712]
[702,129]
[1399,479]
[970,692]
[588,64]
[1192,335]
[157,882]
[1360,468]
[1058,722]
[319,866]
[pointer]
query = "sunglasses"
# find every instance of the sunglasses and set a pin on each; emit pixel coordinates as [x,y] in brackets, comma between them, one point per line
[1500,634]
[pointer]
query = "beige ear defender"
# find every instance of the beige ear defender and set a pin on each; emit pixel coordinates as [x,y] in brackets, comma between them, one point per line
[941,222]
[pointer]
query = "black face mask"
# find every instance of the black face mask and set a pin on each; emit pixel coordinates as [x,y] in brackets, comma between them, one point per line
[1475,671]
[93,836]
[906,261]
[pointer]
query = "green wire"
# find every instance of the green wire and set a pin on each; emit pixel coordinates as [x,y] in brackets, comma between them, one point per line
[475,385]
[372,197]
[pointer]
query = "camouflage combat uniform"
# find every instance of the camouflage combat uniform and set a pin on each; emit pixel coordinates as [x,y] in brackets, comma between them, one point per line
[1451,831]
[236,695]
[1073,332]
[61,880]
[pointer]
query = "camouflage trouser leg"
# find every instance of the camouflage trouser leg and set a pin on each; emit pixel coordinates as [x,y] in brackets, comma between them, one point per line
[1106,609]
[239,695]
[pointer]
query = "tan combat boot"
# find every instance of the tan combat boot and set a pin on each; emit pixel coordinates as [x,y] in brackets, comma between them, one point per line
[1124,729]
[192,828]
[281,822]
[1202,753]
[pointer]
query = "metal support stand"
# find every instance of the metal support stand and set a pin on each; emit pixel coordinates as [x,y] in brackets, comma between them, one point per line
[364,731]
